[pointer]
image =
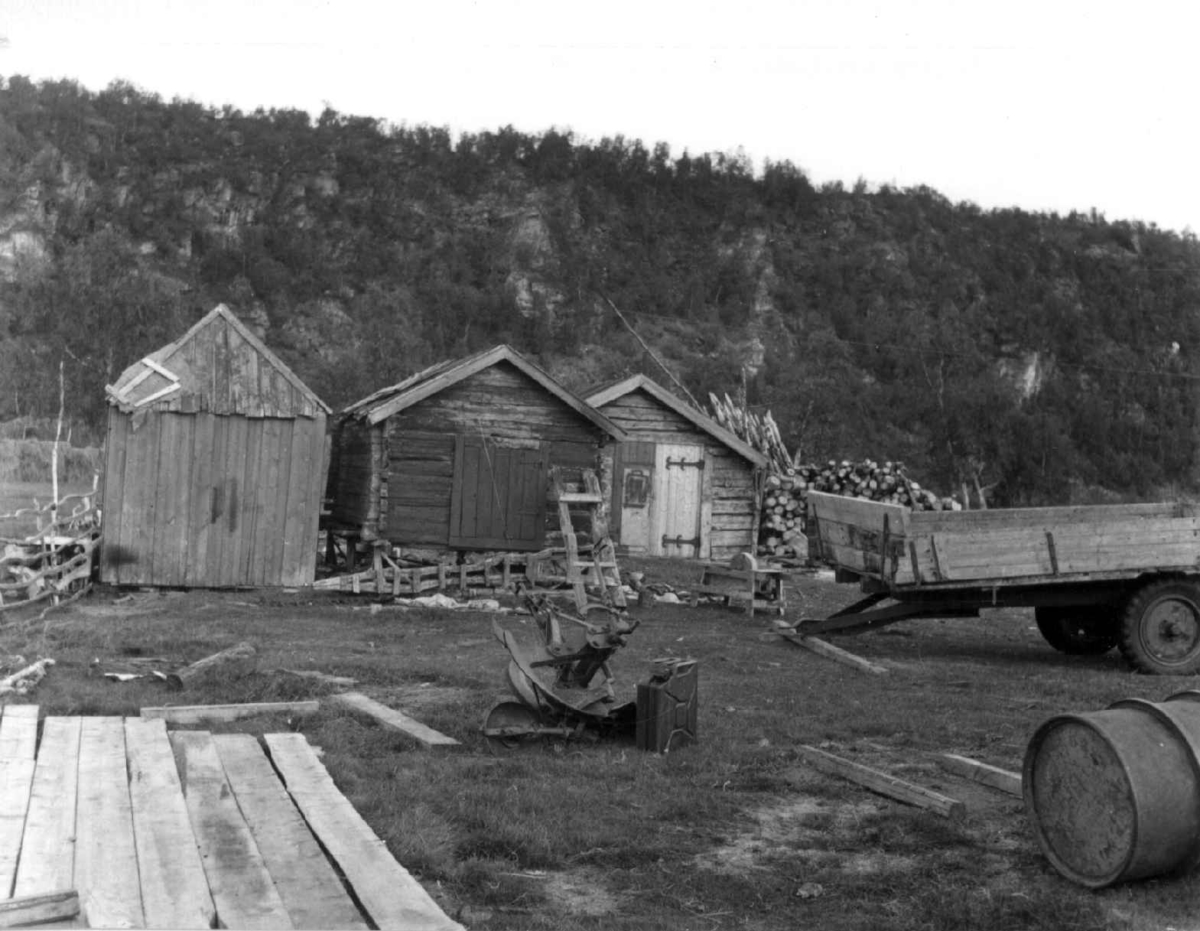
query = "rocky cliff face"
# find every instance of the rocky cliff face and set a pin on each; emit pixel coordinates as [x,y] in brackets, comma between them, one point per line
[887,324]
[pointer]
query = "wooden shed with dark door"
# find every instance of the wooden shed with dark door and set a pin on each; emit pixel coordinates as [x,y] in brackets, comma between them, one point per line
[214,465]
[682,485]
[459,456]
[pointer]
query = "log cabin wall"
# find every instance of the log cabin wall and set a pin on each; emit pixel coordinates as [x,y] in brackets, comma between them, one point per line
[498,413]
[727,492]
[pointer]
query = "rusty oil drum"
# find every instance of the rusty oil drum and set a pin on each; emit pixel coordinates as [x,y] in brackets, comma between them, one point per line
[1114,795]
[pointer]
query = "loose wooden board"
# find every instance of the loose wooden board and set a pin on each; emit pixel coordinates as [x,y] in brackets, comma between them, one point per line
[241,886]
[392,719]
[18,739]
[390,895]
[48,849]
[28,910]
[193,714]
[310,888]
[828,650]
[882,783]
[106,867]
[174,888]
[983,773]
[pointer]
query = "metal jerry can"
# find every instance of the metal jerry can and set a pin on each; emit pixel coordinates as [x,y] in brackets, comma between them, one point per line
[667,705]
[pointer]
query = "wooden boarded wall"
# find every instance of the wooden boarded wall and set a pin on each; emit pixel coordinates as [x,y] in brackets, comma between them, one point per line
[223,373]
[202,500]
[728,511]
[734,503]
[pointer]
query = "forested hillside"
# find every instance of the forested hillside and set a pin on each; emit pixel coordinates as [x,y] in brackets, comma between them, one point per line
[1048,358]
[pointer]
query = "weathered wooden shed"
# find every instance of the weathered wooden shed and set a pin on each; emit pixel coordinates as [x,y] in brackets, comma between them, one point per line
[214,465]
[459,456]
[683,485]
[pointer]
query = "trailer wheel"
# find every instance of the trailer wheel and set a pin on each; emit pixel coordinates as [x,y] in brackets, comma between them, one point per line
[1078,631]
[1160,630]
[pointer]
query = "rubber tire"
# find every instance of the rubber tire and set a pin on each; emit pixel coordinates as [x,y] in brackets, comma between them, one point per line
[1147,615]
[1079,630]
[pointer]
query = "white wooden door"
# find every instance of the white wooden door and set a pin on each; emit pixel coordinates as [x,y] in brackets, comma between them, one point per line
[679,479]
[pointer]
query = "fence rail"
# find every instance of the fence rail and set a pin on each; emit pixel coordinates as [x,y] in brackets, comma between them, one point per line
[56,561]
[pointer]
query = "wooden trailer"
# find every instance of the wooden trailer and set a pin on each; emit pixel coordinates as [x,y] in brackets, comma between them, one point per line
[459,456]
[1097,576]
[683,484]
[214,465]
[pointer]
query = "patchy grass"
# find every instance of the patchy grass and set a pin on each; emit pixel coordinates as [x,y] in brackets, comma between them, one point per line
[734,832]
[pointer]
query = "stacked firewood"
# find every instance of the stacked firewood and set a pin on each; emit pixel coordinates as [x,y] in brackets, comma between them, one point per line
[784,499]
[760,431]
[781,526]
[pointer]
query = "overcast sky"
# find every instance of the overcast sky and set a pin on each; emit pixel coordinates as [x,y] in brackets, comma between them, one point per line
[1043,105]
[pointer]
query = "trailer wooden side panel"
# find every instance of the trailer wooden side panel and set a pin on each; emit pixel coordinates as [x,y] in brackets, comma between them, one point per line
[908,549]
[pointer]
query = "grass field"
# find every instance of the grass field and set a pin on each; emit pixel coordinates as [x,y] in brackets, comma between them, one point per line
[733,832]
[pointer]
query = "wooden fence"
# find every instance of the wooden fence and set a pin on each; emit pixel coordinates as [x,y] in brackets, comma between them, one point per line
[56,561]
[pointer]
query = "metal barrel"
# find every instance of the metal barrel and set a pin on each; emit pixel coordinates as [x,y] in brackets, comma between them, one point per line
[1114,795]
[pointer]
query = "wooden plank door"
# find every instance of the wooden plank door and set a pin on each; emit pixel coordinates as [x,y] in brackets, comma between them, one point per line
[633,494]
[679,480]
[499,495]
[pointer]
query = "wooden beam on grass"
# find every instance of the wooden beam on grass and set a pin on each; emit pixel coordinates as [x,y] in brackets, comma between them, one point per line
[387,891]
[827,650]
[876,781]
[175,890]
[238,661]
[307,882]
[392,719]
[322,677]
[18,742]
[242,888]
[48,846]
[106,866]
[991,776]
[193,714]
[28,910]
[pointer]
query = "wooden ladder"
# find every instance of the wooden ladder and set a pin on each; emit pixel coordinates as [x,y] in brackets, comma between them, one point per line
[595,562]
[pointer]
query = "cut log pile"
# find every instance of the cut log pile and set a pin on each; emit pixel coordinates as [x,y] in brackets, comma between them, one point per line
[784,504]
[781,533]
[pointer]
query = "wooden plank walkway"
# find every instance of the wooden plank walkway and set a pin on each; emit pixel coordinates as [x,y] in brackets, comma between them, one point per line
[191,830]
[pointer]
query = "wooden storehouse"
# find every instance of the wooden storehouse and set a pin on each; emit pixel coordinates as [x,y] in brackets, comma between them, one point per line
[214,465]
[458,457]
[683,485]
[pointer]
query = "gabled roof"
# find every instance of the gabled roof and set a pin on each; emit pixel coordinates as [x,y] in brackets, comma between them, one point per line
[388,401]
[181,375]
[606,395]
